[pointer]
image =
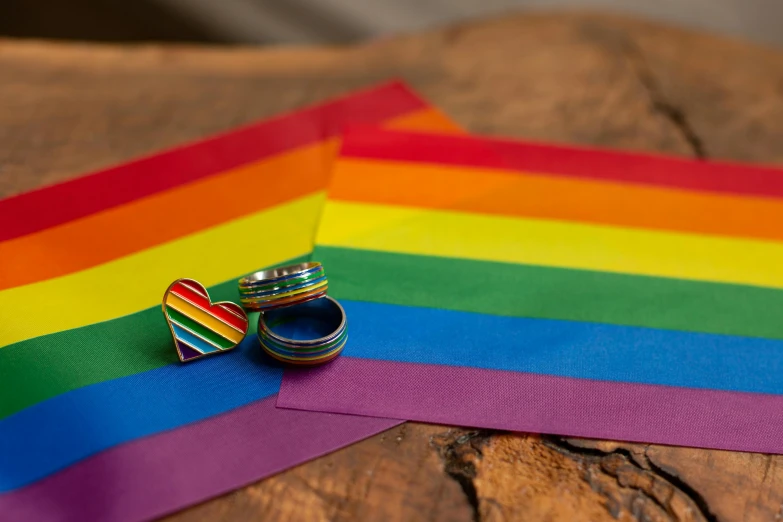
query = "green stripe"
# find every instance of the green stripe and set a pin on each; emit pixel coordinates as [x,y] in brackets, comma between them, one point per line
[213,337]
[38,369]
[553,293]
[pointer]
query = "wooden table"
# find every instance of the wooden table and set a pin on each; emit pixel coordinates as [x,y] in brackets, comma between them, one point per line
[588,79]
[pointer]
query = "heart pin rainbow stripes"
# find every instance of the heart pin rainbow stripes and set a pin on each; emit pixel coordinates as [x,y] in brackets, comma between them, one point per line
[199,326]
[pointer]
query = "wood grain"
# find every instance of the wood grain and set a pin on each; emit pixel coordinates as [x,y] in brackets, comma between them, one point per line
[575,78]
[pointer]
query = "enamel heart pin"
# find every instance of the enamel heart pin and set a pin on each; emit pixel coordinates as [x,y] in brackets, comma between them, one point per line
[199,326]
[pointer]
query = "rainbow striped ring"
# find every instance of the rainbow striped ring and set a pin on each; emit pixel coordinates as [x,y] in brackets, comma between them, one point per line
[284,286]
[330,321]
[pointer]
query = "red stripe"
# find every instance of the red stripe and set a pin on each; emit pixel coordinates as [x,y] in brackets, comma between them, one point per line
[235,310]
[51,206]
[585,163]
[196,288]
[197,299]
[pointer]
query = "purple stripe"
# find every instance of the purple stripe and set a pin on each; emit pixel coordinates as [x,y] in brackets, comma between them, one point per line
[539,403]
[186,351]
[156,475]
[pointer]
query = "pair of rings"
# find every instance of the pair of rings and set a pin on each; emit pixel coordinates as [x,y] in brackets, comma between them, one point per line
[298,323]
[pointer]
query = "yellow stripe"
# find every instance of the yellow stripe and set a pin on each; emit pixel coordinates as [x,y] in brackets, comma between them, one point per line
[136,282]
[200,316]
[551,243]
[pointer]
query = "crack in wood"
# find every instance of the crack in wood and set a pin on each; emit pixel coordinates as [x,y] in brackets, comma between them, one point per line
[676,115]
[459,450]
[636,471]
[685,488]
[619,41]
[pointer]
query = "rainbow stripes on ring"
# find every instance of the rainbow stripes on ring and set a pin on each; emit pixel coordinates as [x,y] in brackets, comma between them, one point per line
[286,286]
[305,352]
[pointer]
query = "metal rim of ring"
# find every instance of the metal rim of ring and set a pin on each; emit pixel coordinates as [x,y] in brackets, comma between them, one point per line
[308,351]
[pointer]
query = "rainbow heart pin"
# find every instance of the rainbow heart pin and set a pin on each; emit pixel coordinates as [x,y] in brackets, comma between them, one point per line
[199,326]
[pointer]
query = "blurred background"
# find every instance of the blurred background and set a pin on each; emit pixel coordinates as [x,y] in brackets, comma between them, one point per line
[340,21]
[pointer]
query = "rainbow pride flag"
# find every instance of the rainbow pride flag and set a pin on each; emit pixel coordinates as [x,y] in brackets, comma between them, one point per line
[549,289]
[98,419]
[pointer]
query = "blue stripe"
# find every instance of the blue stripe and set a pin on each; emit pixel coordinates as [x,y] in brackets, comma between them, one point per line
[564,348]
[194,341]
[56,433]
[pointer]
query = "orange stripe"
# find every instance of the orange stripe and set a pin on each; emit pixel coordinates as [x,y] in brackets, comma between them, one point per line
[168,215]
[548,197]
[428,120]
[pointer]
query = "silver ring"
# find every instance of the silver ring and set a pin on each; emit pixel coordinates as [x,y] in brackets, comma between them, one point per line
[329,320]
[284,286]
